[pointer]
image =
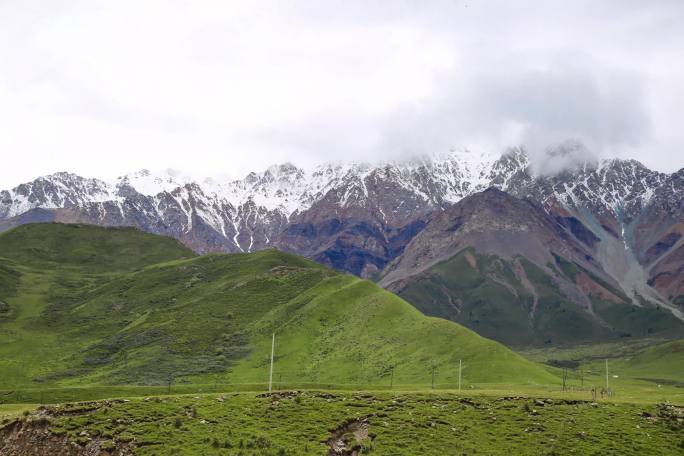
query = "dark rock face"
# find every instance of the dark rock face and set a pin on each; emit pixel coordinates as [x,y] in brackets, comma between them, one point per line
[662,246]
[358,228]
[580,231]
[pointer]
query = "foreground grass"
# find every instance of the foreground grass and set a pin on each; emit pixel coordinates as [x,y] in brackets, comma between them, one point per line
[13,411]
[382,423]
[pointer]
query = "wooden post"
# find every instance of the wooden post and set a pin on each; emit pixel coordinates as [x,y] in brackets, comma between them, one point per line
[606,374]
[459,375]
[433,377]
[270,375]
[565,376]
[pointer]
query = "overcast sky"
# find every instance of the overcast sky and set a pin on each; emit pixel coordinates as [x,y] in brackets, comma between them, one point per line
[102,88]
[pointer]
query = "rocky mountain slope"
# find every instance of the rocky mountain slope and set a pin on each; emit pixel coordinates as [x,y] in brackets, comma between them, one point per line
[512,271]
[616,219]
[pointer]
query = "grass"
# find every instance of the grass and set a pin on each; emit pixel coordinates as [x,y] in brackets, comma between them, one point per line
[382,423]
[209,319]
[14,411]
[187,340]
[651,360]
[662,364]
[649,370]
[56,245]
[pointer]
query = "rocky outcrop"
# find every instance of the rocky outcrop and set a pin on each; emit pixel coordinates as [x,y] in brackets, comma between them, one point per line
[33,437]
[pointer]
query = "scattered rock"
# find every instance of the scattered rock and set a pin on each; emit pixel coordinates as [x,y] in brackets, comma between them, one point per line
[672,414]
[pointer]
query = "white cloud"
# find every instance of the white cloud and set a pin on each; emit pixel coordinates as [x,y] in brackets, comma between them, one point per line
[102,88]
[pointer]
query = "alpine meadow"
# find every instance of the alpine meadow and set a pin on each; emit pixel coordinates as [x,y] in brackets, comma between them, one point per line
[341,228]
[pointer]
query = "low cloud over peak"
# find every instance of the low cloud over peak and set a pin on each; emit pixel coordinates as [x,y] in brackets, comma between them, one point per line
[99,89]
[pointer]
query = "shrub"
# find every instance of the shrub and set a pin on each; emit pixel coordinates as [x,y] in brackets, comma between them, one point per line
[263,442]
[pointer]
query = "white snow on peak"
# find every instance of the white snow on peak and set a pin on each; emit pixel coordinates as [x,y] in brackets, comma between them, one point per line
[286,189]
[620,187]
[57,190]
[151,184]
[283,188]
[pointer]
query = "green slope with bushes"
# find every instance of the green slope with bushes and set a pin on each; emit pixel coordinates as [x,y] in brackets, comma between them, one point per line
[84,305]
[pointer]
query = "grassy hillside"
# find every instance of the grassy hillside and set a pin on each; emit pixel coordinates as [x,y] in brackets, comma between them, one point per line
[349,330]
[664,362]
[93,306]
[56,245]
[487,294]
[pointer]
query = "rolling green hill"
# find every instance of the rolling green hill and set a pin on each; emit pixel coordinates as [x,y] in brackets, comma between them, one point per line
[663,362]
[93,306]
[56,246]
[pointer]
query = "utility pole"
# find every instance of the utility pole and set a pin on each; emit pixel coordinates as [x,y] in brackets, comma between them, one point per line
[606,374]
[433,376]
[270,375]
[459,375]
[392,377]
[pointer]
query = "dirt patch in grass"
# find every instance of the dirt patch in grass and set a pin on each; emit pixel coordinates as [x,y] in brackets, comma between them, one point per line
[33,435]
[348,438]
[34,438]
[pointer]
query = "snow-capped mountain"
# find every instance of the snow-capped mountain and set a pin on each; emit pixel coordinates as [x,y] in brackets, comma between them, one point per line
[247,214]
[616,220]
[353,216]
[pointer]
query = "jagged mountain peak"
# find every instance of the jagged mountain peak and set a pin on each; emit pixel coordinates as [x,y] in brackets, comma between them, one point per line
[249,213]
[151,183]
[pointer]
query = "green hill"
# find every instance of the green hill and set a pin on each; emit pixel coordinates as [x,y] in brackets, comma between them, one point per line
[56,245]
[662,363]
[84,305]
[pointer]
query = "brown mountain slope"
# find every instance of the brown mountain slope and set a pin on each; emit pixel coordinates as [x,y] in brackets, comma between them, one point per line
[515,272]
